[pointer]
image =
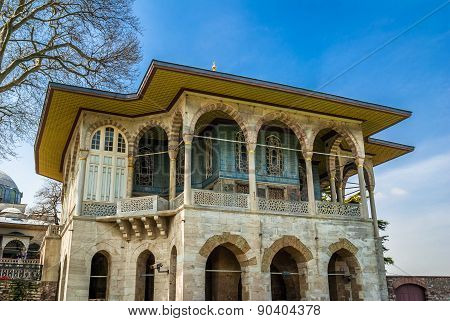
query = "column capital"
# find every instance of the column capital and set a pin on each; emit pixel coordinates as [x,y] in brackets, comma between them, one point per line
[251,147]
[172,153]
[308,155]
[188,139]
[83,155]
[359,161]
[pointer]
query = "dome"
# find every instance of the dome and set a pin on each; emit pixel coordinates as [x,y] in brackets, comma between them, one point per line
[11,210]
[7,181]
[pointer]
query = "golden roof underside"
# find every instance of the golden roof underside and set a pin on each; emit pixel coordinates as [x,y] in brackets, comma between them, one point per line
[162,85]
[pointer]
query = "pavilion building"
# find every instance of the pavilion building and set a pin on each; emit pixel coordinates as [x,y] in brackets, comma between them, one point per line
[210,186]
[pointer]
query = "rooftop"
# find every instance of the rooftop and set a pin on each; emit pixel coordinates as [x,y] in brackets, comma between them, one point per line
[165,82]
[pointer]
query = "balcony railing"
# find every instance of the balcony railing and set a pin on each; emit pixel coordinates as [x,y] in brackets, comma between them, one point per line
[338,209]
[207,198]
[53,230]
[18,269]
[177,201]
[91,208]
[141,205]
[289,207]
[216,199]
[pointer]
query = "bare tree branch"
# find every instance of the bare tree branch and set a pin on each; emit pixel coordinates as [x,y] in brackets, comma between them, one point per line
[79,42]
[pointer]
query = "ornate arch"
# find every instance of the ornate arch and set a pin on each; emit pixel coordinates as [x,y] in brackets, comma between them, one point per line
[342,244]
[345,134]
[368,175]
[176,125]
[143,129]
[283,242]
[235,243]
[106,122]
[232,112]
[287,120]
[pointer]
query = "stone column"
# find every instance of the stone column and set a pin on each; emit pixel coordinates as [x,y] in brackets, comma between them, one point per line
[81,175]
[362,186]
[172,173]
[130,176]
[251,147]
[187,168]
[333,187]
[340,192]
[310,181]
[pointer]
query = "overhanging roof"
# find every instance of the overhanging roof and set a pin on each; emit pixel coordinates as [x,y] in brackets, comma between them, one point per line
[164,83]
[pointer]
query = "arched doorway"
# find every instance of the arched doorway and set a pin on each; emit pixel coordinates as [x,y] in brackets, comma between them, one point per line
[14,250]
[98,285]
[288,275]
[145,277]
[409,292]
[173,274]
[223,280]
[343,277]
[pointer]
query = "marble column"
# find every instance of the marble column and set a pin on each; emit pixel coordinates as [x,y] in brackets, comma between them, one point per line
[310,181]
[81,176]
[172,173]
[362,186]
[251,147]
[187,168]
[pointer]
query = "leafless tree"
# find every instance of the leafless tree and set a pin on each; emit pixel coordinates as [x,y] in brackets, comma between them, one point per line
[91,43]
[48,202]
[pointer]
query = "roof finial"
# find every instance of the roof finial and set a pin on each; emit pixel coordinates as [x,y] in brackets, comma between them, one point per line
[214,67]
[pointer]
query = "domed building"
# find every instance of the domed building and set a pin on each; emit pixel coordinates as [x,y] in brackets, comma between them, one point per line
[9,193]
[20,236]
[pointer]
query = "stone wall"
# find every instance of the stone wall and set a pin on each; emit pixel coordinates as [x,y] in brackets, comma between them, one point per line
[437,288]
[20,290]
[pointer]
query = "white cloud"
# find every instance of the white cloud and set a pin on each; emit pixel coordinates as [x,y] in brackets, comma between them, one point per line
[397,191]
[417,208]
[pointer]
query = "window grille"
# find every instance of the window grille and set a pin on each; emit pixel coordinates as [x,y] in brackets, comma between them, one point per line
[208,157]
[274,156]
[242,188]
[241,159]
[180,167]
[276,193]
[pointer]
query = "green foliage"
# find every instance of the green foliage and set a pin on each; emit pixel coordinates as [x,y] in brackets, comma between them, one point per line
[20,289]
[382,225]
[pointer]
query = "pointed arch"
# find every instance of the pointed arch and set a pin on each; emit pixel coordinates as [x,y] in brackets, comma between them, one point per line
[285,241]
[348,137]
[289,121]
[230,111]
[143,129]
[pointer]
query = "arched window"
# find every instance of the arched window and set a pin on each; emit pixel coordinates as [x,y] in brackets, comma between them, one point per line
[274,156]
[145,162]
[33,252]
[145,277]
[180,166]
[106,170]
[98,284]
[14,250]
[241,153]
[208,157]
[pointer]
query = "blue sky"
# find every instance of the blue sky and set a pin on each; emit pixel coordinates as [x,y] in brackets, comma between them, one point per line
[307,43]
